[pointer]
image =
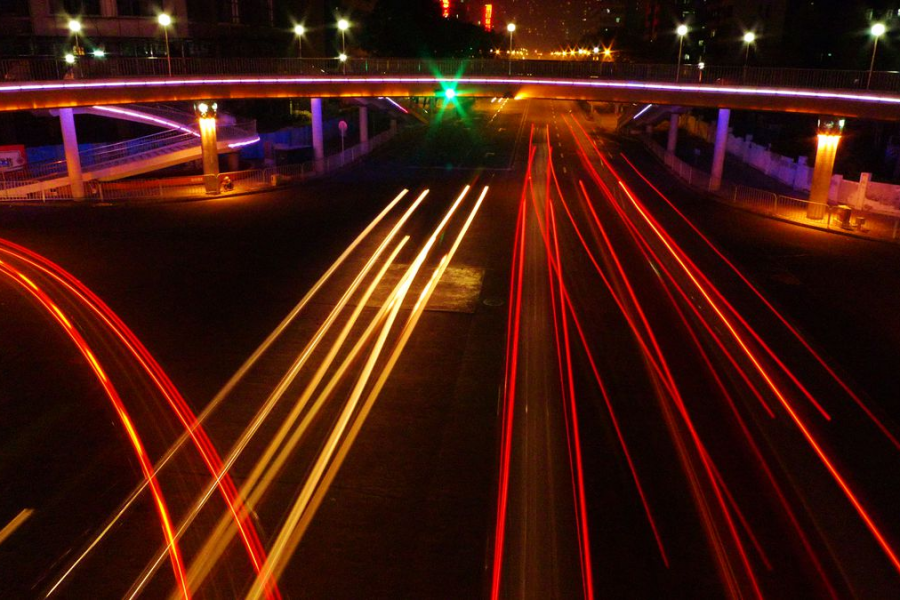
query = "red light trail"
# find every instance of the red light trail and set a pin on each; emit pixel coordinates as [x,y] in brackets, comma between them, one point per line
[855,397]
[701,284]
[509,395]
[146,467]
[161,380]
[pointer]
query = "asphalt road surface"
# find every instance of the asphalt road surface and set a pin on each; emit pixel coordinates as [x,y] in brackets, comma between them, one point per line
[617,388]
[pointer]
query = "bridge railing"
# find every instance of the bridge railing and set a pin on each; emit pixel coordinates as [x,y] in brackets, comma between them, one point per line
[859,222]
[159,188]
[116,153]
[48,68]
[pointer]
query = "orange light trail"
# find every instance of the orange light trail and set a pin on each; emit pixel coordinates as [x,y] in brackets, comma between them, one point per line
[290,531]
[196,427]
[314,498]
[251,493]
[273,459]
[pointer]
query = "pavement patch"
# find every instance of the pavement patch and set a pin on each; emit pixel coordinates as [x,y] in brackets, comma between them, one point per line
[458,291]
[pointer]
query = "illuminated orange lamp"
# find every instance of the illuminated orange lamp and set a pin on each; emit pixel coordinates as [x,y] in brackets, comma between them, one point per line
[206,114]
[829,131]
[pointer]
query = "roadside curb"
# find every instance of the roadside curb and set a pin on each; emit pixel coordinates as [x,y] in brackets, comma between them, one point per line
[718,200]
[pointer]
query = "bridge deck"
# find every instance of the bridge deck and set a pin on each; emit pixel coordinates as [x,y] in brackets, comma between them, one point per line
[119,81]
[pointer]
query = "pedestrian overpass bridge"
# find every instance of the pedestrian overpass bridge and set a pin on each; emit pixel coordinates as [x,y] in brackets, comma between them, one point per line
[31,84]
[95,83]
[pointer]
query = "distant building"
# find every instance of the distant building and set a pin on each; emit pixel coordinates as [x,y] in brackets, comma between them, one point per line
[547,26]
[130,28]
[716,29]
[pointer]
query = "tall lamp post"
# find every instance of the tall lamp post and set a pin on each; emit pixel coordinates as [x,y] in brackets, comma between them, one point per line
[749,39]
[75,29]
[682,31]
[343,26]
[299,31]
[877,31]
[165,21]
[511,28]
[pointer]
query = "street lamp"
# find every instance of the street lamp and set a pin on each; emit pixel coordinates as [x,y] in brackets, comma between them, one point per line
[511,28]
[300,31]
[70,58]
[749,39]
[75,29]
[878,30]
[164,21]
[682,31]
[343,26]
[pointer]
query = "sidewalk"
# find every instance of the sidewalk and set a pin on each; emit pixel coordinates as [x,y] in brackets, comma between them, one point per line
[784,205]
[735,170]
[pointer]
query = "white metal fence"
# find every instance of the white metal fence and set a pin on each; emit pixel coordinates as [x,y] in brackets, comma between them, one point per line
[193,186]
[864,223]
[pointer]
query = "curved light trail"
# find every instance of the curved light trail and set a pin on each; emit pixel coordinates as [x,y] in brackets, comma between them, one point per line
[161,380]
[56,313]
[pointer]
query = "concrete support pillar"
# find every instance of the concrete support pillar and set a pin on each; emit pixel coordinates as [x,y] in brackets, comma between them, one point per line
[317,131]
[210,149]
[673,133]
[70,145]
[364,126]
[234,161]
[859,201]
[822,172]
[719,150]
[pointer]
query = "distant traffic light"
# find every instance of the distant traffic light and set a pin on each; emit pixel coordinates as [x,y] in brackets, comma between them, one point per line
[445,93]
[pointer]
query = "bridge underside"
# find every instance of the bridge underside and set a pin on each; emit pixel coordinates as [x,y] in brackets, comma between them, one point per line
[47,95]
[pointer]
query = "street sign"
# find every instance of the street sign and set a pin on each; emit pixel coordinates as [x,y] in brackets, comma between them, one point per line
[342,125]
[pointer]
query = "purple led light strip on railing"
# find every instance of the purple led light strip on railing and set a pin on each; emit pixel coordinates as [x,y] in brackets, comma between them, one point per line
[628,85]
[244,143]
[148,118]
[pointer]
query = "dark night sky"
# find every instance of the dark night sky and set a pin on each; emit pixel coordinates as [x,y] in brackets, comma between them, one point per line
[547,24]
